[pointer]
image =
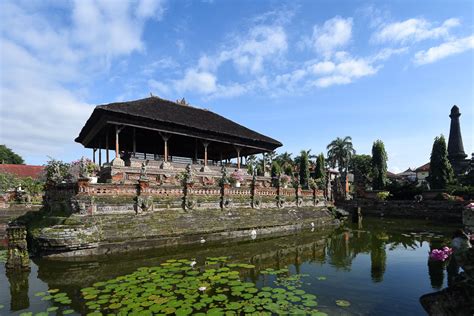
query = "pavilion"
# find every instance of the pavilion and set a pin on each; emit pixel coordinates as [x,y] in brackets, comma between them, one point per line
[166,131]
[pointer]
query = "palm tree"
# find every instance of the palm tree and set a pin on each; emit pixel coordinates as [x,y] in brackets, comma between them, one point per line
[340,152]
[251,161]
[284,160]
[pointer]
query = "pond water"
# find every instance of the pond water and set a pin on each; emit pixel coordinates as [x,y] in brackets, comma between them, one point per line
[379,267]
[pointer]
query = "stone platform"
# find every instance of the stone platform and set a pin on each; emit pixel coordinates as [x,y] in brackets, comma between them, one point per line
[82,219]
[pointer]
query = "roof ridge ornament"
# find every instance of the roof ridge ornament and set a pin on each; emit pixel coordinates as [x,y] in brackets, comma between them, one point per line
[182,102]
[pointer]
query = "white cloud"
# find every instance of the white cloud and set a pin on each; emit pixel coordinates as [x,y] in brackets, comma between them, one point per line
[249,53]
[444,50]
[343,72]
[413,30]
[48,60]
[334,34]
[196,81]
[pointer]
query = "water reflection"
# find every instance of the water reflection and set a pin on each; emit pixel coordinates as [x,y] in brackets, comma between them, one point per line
[18,289]
[337,248]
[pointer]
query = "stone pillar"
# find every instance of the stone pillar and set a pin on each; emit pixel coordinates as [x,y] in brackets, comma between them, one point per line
[17,257]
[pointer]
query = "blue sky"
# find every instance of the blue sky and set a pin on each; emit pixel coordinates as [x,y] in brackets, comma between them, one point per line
[302,72]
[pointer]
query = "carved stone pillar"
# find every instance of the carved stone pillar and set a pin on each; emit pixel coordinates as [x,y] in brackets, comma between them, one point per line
[17,257]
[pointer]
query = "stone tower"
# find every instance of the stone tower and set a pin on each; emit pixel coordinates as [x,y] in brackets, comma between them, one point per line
[456,154]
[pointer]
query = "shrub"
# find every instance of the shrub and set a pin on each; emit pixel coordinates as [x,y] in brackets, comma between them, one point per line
[57,171]
[382,196]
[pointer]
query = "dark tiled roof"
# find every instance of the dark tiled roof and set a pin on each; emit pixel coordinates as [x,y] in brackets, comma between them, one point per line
[425,167]
[22,171]
[160,110]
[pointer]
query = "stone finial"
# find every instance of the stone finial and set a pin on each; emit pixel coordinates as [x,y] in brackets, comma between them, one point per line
[456,152]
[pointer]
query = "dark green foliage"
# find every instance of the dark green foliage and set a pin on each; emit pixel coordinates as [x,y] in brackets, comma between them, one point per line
[403,191]
[320,171]
[276,169]
[31,186]
[304,169]
[441,172]
[340,152]
[288,170]
[286,163]
[7,156]
[379,165]
[7,182]
[361,167]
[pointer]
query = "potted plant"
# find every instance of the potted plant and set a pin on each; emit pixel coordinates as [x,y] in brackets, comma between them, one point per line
[237,178]
[284,180]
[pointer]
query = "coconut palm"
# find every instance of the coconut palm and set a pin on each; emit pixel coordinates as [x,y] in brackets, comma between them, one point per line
[340,152]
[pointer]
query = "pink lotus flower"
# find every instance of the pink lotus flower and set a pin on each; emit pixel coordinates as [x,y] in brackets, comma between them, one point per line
[441,254]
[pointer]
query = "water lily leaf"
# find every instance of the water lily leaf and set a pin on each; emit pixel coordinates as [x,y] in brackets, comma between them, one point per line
[115,306]
[309,303]
[184,311]
[343,303]
[52,309]
[40,294]
[68,311]
[219,297]
[46,298]
[53,291]
[321,278]
[26,313]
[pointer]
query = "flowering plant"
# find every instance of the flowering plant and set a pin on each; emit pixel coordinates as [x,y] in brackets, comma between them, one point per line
[237,176]
[441,254]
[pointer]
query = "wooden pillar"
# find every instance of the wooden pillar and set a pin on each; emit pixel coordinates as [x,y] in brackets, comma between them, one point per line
[93,154]
[134,142]
[117,148]
[107,146]
[205,152]
[263,162]
[238,157]
[195,150]
[100,155]
[165,138]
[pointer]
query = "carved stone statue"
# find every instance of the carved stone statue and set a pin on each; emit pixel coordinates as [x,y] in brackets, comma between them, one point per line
[83,174]
[143,171]
[225,176]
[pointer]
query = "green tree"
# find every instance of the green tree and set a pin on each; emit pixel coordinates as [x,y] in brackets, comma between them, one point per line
[379,165]
[304,168]
[441,172]
[251,162]
[340,152]
[361,167]
[285,161]
[276,169]
[7,156]
[320,170]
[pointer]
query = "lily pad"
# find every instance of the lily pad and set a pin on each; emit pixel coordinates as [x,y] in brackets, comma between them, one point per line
[343,303]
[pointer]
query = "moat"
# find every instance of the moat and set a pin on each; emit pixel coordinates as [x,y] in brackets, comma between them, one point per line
[379,267]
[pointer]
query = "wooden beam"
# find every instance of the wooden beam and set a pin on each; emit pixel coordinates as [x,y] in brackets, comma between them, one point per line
[210,139]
